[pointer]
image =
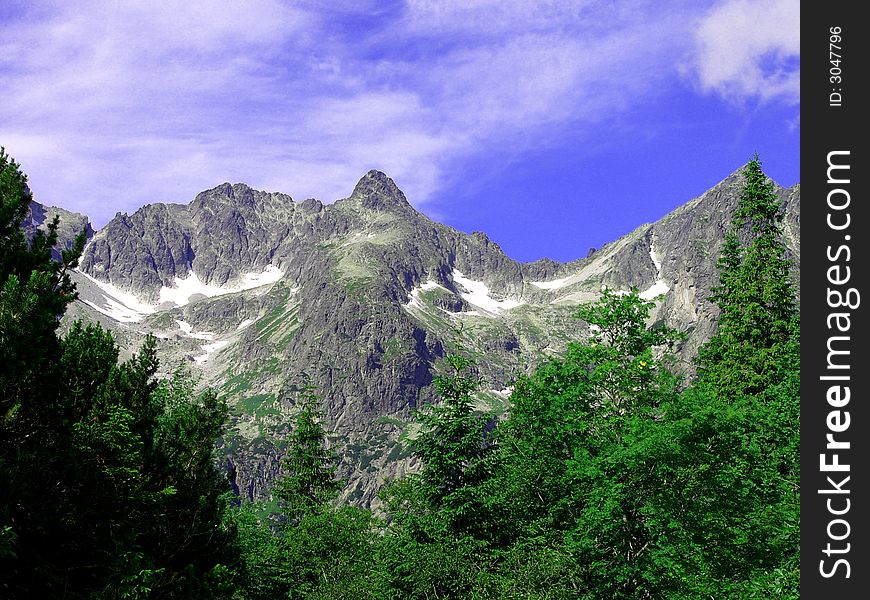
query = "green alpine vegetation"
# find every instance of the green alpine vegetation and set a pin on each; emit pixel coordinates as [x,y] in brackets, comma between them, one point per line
[609,477]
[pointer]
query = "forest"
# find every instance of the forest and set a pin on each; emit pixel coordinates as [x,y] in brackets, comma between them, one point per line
[611,477]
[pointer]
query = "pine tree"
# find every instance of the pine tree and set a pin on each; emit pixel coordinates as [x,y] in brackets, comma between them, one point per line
[309,482]
[440,520]
[755,295]
[741,448]
[108,484]
[453,441]
[34,293]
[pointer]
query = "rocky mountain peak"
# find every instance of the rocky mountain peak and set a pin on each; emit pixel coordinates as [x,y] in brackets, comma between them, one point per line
[483,239]
[376,190]
[236,194]
[71,224]
[311,205]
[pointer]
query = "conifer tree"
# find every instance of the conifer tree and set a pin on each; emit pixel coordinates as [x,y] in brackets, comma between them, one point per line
[440,521]
[34,293]
[453,442]
[755,295]
[108,484]
[309,482]
[744,410]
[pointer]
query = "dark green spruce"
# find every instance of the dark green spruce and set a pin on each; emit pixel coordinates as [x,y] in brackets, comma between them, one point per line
[108,483]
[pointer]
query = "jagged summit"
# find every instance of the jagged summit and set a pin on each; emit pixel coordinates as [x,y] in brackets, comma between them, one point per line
[377,190]
[235,194]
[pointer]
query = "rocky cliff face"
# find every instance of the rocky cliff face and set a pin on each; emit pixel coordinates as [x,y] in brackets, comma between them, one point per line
[264,296]
[70,225]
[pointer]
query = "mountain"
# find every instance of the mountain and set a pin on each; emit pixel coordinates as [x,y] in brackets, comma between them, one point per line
[264,297]
[70,225]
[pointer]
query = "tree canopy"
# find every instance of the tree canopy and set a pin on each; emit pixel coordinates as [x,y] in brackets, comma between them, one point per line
[108,484]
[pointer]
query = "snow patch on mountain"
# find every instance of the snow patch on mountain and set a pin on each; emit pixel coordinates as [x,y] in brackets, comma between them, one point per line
[119,305]
[209,349]
[244,324]
[182,289]
[414,294]
[656,289]
[655,258]
[187,328]
[660,286]
[477,294]
[553,285]
[115,310]
[126,307]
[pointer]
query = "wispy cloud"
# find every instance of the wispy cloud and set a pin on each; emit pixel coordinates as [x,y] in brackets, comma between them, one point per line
[109,105]
[750,50]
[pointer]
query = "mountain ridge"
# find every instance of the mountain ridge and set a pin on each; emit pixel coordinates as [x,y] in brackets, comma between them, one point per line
[263,296]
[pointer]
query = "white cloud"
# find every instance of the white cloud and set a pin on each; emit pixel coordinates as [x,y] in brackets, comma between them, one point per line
[749,49]
[111,105]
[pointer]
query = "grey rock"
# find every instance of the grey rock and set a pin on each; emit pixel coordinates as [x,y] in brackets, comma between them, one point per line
[69,227]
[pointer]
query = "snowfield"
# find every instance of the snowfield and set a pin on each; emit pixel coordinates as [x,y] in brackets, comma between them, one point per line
[183,289]
[125,307]
[477,294]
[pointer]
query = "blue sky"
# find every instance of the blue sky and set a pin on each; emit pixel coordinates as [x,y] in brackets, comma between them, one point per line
[552,126]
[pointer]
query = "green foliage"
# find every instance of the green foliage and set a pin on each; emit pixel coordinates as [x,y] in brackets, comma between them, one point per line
[34,292]
[263,571]
[136,493]
[623,374]
[432,567]
[309,481]
[574,467]
[751,369]
[108,486]
[318,551]
[758,313]
[445,499]
[330,555]
[453,441]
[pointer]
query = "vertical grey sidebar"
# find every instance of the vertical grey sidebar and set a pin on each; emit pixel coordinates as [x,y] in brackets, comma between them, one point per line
[835,302]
